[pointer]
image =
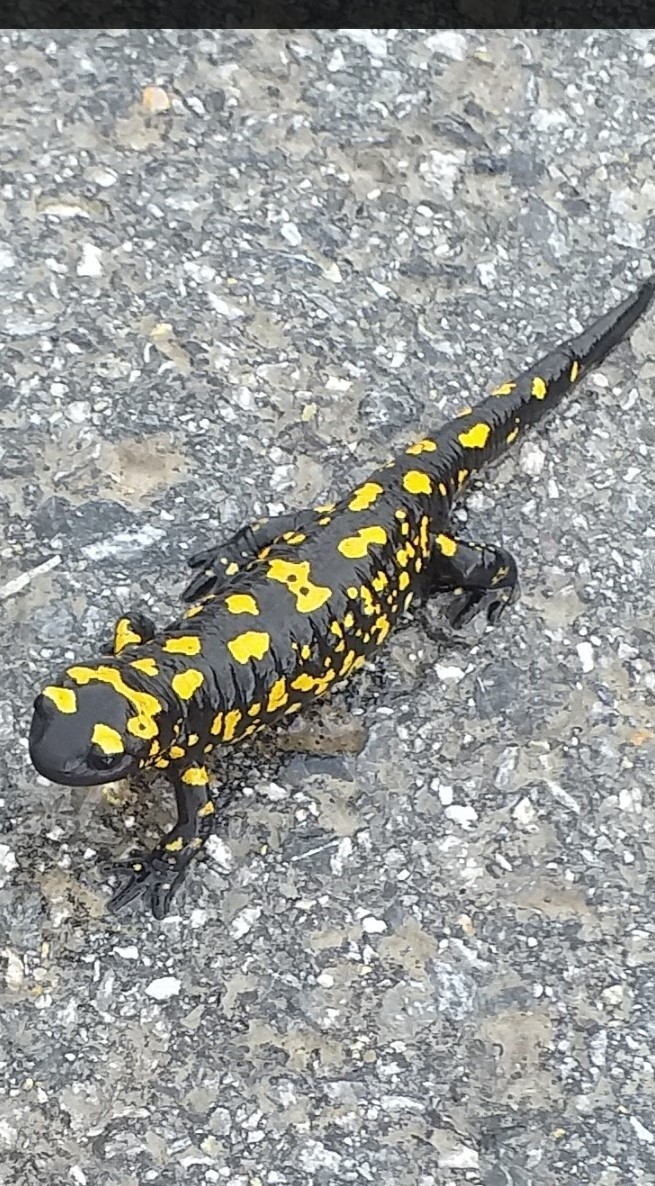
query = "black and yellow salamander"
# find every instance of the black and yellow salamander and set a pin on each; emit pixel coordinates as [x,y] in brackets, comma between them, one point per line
[290,606]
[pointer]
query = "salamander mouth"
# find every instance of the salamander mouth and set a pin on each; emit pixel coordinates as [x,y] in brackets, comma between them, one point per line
[78,773]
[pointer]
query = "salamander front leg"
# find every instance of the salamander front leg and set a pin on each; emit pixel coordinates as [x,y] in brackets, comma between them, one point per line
[158,874]
[483,579]
[132,629]
[233,554]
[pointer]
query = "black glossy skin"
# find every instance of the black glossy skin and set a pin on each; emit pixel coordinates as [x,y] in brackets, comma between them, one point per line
[228,667]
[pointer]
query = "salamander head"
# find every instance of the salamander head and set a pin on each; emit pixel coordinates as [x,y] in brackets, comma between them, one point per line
[79,735]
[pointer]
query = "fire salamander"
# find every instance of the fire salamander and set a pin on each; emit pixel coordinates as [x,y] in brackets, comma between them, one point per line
[288,607]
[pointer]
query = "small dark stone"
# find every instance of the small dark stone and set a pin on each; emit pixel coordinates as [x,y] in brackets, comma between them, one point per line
[489,164]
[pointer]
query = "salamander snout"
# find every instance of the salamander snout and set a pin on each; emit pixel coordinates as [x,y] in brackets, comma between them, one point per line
[70,744]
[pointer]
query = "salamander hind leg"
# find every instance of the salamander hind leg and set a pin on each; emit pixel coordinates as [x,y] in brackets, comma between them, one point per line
[483,579]
[228,557]
[158,874]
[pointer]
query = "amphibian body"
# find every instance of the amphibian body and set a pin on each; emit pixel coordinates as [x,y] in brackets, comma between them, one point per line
[291,605]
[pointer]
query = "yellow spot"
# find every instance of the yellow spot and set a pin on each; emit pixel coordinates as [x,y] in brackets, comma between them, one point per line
[175,845]
[193,738]
[511,436]
[475,437]
[292,708]
[207,749]
[401,513]
[504,389]
[306,651]
[462,476]
[356,546]
[253,644]
[326,508]
[539,389]
[303,682]
[231,569]
[185,683]
[146,705]
[254,710]
[574,372]
[154,748]
[241,603]
[232,719]
[408,600]
[323,522]
[421,447]
[352,592]
[416,482]
[191,613]
[358,662]
[370,605]
[403,580]
[124,635]
[365,496]
[162,763]
[443,489]
[382,626]
[147,666]
[176,751]
[278,695]
[293,537]
[107,739]
[446,545]
[401,557]
[380,581]
[187,644]
[349,617]
[318,684]
[424,534]
[195,776]
[296,576]
[348,662]
[336,628]
[217,724]
[206,809]
[63,698]
[464,412]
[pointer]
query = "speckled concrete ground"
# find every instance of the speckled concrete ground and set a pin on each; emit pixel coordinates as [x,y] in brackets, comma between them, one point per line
[430,961]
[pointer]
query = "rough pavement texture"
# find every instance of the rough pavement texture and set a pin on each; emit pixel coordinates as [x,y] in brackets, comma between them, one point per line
[237,269]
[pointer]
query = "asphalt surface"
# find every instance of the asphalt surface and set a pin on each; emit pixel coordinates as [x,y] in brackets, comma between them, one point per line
[236,270]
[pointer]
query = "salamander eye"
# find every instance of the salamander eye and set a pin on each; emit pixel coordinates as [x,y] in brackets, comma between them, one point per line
[105,761]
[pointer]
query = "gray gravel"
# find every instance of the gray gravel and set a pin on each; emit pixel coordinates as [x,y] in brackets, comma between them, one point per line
[430,961]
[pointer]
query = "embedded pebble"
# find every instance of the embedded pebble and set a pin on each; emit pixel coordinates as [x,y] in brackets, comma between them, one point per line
[373,926]
[7,258]
[8,860]
[462,814]
[631,800]
[244,921]
[290,232]
[155,100]
[91,261]
[449,43]
[532,459]
[524,812]
[586,656]
[164,988]
[219,851]
[641,1132]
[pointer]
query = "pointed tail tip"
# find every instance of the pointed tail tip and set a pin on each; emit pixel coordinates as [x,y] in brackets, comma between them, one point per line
[646,290]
